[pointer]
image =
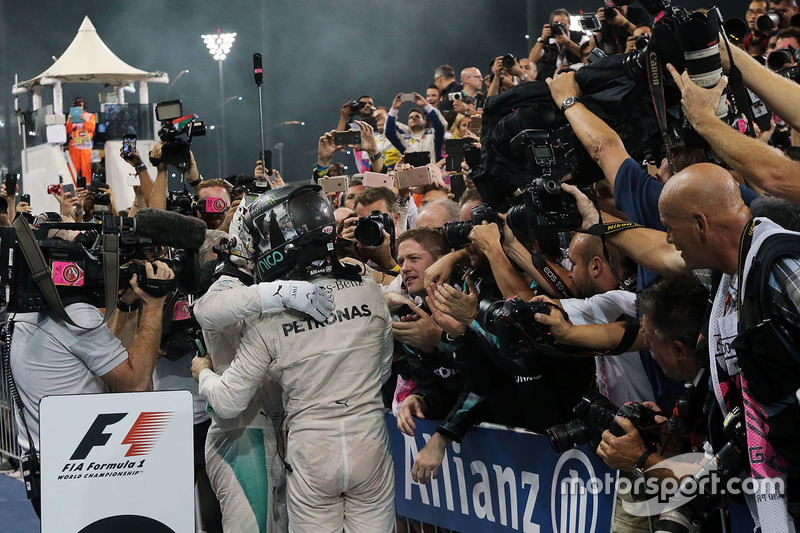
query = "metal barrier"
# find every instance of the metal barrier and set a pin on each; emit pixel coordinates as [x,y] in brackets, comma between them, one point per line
[8,426]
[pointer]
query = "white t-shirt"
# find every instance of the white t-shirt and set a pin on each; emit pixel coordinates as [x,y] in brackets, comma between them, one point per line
[50,357]
[625,375]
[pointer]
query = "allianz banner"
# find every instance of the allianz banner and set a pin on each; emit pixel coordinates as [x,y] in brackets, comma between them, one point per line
[502,480]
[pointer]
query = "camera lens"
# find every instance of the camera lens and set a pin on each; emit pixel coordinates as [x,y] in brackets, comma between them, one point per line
[768,21]
[610,12]
[641,41]
[457,233]
[489,311]
[369,232]
[779,58]
[509,60]
[517,219]
[569,435]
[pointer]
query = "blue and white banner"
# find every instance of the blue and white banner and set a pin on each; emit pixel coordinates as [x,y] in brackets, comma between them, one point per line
[502,480]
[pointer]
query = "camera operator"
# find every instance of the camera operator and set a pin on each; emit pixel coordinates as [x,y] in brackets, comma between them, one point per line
[755,42]
[341,470]
[437,213]
[158,194]
[708,226]
[617,23]
[145,182]
[419,138]
[558,46]
[215,189]
[52,357]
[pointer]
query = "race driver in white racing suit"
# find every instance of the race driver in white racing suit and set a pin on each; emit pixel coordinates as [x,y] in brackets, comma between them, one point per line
[243,454]
[340,475]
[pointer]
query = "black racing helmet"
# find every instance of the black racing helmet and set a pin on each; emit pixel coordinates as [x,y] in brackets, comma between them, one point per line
[293,232]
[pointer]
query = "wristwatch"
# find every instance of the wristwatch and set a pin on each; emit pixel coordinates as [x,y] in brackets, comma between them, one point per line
[524,76]
[140,168]
[638,468]
[376,156]
[569,101]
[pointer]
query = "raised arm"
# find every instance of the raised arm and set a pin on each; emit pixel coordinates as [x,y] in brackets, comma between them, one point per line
[602,142]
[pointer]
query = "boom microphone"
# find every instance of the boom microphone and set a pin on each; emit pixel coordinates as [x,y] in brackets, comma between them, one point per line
[258,71]
[170,229]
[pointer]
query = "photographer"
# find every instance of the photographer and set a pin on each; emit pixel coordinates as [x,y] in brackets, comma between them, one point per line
[360,109]
[420,138]
[756,162]
[710,227]
[617,23]
[786,9]
[558,46]
[381,256]
[755,43]
[51,357]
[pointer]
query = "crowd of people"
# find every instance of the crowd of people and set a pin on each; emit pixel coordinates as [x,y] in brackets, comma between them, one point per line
[335,300]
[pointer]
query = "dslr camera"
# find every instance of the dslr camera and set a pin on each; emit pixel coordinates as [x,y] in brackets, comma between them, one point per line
[543,205]
[558,28]
[174,127]
[595,414]
[369,229]
[457,233]
[512,322]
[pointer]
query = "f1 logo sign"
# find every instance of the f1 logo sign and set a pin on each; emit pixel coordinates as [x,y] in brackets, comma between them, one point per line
[95,436]
[141,437]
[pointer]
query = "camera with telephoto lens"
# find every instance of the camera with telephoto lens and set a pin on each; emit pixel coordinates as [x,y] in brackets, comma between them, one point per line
[727,464]
[174,125]
[509,60]
[594,415]
[512,322]
[559,28]
[780,59]
[768,21]
[457,233]
[77,266]
[369,230]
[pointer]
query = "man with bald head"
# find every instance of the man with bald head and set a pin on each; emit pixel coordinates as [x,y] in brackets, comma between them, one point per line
[751,363]
[438,213]
[472,80]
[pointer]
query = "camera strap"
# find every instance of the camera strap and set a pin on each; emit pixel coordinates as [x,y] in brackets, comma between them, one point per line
[555,281]
[30,464]
[655,77]
[737,92]
[44,276]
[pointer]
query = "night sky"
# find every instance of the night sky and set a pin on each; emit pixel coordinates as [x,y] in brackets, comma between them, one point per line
[317,55]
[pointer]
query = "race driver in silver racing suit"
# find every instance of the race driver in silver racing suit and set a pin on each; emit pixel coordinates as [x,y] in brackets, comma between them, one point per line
[340,475]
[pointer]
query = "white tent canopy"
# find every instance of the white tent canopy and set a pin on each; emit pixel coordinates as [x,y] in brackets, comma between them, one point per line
[89,60]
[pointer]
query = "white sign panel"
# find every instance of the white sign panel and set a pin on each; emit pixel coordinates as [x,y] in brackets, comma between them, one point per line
[117,462]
